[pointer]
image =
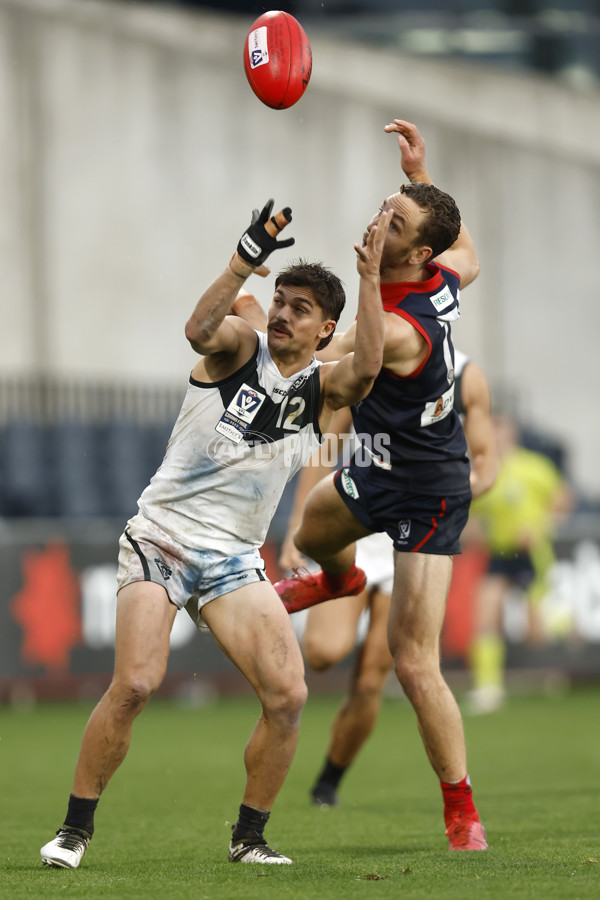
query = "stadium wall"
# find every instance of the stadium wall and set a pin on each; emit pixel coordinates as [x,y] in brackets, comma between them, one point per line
[133,152]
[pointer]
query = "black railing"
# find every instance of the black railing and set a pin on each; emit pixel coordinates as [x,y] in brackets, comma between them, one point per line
[73,448]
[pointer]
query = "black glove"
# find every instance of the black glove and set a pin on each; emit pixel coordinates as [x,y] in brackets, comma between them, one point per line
[257,243]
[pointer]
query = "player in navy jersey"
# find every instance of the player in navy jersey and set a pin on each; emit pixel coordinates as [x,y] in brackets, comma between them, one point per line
[253,414]
[411,477]
[330,631]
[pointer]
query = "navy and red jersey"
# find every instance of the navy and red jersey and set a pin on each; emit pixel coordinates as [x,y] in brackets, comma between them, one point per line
[426,446]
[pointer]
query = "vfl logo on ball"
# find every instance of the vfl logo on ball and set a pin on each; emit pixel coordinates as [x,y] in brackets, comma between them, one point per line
[258,47]
[404,529]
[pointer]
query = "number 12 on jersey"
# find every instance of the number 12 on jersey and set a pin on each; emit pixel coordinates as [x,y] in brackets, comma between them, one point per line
[294,407]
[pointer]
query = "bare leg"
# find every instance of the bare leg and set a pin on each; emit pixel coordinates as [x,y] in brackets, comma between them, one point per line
[356,717]
[328,529]
[144,621]
[254,630]
[418,604]
[330,632]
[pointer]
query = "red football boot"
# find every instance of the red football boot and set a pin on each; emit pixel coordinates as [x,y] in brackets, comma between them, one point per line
[309,589]
[466,834]
[463,828]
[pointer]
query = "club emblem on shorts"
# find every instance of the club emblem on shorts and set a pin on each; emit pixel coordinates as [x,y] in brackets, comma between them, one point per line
[164,570]
[404,529]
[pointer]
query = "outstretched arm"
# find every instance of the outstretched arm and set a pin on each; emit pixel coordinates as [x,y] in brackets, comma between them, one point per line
[479,429]
[351,379]
[208,330]
[461,256]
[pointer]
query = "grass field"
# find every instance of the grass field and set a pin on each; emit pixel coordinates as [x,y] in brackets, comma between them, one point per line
[162,825]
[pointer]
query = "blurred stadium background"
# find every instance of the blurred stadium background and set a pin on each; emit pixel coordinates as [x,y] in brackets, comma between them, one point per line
[133,152]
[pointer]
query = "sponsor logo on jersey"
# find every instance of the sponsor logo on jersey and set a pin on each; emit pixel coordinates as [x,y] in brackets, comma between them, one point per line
[164,570]
[258,48]
[299,382]
[349,485]
[404,531]
[443,299]
[436,410]
[238,416]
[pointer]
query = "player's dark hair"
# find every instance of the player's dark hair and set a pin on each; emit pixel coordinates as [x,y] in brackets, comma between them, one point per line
[441,227]
[327,289]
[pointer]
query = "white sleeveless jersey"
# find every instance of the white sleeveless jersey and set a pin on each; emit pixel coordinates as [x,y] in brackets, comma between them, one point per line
[234,446]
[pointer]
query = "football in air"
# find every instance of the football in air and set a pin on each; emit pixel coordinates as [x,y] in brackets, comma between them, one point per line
[277,59]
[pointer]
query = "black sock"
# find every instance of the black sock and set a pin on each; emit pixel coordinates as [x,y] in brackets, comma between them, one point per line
[250,824]
[80,814]
[331,774]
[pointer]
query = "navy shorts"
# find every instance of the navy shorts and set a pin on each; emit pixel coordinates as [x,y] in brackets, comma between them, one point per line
[416,523]
[516,567]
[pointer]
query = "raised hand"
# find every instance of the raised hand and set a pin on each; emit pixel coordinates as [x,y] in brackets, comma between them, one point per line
[412,148]
[260,238]
[370,251]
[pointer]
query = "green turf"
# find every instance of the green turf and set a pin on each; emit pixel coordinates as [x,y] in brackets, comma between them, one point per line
[162,825]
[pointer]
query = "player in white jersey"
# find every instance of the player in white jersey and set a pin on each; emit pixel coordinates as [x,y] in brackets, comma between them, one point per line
[254,411]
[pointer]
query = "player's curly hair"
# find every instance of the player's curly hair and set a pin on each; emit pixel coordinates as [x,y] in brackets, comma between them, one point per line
[327,288]
[441,227]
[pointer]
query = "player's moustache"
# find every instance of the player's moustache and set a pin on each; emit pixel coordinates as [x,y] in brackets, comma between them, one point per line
[280,327]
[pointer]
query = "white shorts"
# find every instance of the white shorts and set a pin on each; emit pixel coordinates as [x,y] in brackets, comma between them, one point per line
[191,578]
[375,555]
